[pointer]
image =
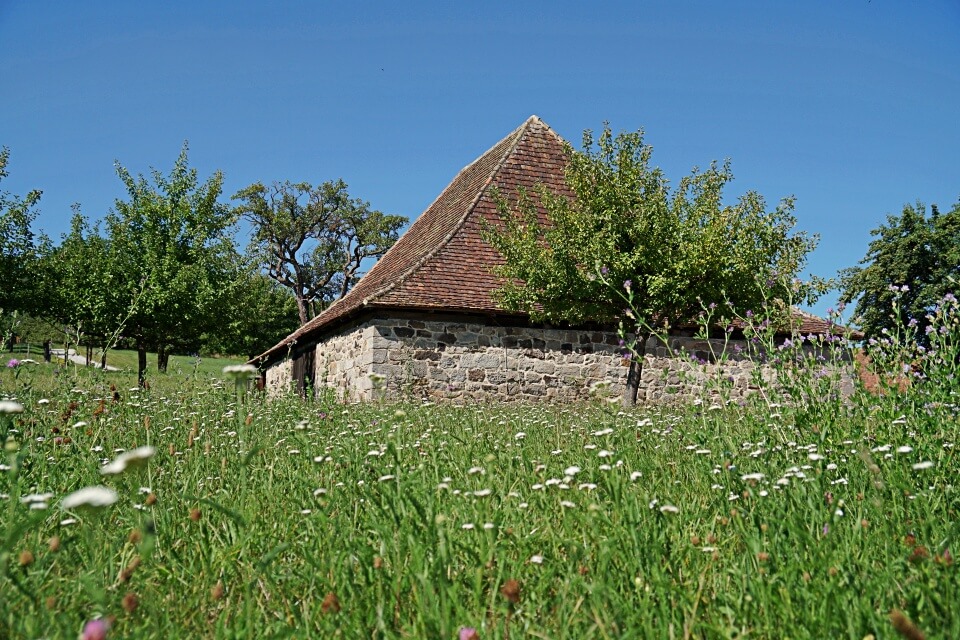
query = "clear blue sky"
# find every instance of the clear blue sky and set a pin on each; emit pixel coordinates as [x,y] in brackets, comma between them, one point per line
[853,107]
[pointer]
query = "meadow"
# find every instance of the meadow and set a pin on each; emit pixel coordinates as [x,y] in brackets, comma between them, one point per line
[822,517]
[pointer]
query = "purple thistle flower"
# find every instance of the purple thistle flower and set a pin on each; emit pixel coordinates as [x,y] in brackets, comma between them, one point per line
[604,270]
[13,363]
[627,284]
[468,633]
[95,630]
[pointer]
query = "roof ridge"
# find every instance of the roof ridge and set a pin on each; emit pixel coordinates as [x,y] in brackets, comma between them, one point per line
[518,135]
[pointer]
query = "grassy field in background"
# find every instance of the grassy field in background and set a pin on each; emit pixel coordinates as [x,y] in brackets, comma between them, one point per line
[126,362]
[288,518]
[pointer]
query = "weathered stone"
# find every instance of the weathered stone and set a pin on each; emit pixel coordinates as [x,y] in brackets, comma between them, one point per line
[496,377]
[489,361]
[545,366]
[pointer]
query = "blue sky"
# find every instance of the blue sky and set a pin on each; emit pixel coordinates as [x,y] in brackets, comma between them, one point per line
[852,106]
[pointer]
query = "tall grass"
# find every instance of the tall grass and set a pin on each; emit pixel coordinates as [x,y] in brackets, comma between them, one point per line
[299,519]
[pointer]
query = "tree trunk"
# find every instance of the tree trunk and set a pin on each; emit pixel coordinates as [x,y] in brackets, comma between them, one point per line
[632,386]
[103,358]
[302,310]
[163,356]
[141,364]
[46,351]
[89,354]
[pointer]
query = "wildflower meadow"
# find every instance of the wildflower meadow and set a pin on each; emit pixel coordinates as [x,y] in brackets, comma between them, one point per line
[198,508]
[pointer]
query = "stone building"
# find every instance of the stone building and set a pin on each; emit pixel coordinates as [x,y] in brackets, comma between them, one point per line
[422,322]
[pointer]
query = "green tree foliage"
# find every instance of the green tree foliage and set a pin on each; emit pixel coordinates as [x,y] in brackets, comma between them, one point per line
[678,248]
[257,316]
[18,246]
[170,253]
[914,259]
[79,286]
[313,240]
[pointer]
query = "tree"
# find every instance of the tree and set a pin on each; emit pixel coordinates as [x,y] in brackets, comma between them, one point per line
[18,251]
[314,240]
[171,254]
[914,260]
[258,316]
[673,250]
[78,286]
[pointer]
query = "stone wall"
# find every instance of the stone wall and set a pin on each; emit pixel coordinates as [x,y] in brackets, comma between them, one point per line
[279,377]
[343,362]
[415,357]
[474,361]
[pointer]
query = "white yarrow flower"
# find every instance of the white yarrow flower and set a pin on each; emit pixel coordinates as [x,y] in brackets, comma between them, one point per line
[9,406]
[128,460]
[240,371]
[96,497]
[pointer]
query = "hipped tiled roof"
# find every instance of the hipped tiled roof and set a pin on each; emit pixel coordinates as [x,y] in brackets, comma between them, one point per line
[442,263]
